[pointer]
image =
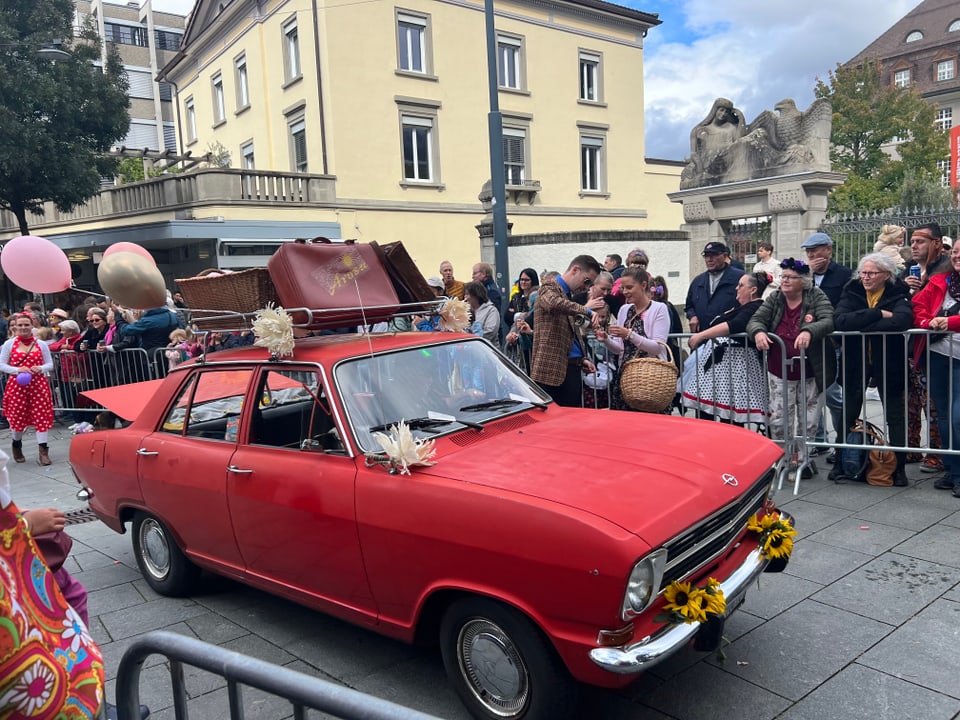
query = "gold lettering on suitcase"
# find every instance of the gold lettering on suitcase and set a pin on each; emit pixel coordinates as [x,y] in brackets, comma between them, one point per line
[341,272]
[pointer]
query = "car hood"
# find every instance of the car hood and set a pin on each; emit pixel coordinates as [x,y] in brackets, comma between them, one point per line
[650,474]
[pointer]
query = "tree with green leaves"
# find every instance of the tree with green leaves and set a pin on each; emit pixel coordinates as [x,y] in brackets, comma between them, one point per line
[59,118]
[868,119]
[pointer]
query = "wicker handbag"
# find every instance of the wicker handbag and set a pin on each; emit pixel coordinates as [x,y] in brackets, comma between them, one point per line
[649,384]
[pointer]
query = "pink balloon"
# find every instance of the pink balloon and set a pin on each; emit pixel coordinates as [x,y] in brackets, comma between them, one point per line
[35,264]
[129,247]
[24,378]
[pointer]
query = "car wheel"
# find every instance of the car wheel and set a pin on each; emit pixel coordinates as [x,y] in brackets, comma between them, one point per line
[162,563]
[501,665]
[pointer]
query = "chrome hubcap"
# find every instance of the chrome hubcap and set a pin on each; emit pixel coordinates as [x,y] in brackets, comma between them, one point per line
[493,668]
[154,548]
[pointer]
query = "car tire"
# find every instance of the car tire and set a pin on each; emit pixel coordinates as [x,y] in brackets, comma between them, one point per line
[161,561]
[502,666]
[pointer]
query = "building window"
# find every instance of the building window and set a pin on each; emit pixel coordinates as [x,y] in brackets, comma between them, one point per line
[167,40]
[291,51]
[243,82]
[945,70]
[944,167]
[191,114]
[510,61]
[219,109]
[246,156]
[515,155]
[914,36]
[944,118]
[166,91]
[413,38]
[901,78]
[417,139]
[591,163]
[125,34]
[590,77]
[298,142]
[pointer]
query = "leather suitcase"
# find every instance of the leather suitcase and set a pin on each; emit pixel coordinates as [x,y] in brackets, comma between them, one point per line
[343,283]
[407,279]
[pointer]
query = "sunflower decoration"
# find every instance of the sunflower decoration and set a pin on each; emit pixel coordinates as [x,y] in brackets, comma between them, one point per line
[776,535]
[686,603]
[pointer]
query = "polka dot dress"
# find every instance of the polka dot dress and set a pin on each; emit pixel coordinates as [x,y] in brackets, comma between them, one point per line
[25,405]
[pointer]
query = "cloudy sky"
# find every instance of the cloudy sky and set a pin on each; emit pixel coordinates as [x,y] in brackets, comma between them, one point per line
[754,52]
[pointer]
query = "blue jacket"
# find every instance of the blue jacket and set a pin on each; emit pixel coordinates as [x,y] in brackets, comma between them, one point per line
[153,328]
[706,306]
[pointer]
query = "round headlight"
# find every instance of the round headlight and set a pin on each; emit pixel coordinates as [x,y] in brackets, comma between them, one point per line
[643,584]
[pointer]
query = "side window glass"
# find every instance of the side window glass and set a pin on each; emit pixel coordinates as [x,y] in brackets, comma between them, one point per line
[293,412]
[211,402]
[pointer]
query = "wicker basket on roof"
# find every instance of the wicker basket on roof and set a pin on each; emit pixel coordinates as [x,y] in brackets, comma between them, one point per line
[213,293]
[649,383]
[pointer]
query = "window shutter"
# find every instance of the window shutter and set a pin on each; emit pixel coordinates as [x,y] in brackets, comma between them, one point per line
[141,84]
[141,135]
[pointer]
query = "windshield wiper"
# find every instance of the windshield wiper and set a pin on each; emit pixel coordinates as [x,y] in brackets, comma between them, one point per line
[502,403]
[423,423]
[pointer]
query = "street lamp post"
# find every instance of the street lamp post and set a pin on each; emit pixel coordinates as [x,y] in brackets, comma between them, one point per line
[498,180]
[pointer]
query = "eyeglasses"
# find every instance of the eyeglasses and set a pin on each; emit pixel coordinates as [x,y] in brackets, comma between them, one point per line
[789,278]
[636,263]
[525,279]
[587,282]
[871,273]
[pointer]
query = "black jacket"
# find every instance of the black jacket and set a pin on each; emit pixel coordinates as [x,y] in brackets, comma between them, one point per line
[834,280]
[852,314]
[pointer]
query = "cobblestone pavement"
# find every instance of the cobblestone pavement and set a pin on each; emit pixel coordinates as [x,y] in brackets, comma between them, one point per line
[864,623]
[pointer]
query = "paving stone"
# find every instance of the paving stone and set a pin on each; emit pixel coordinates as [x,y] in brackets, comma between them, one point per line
[860,693]
[865,537]
[798,650]
[259,648]
[953,594]
[775,592]
[737,625]
[156,691]
[719,694]
[150,616]
[846,496]
[821,563]
[923,650]
[891,588]
[213,628]
[913,511]
[91,559]
[936,544]
[115,598]
[106,577]
[811,517]
[113,651]
[953,520]
[418,683]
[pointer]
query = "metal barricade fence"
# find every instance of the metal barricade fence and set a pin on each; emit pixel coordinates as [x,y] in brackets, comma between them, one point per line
[75,372]
[302,691]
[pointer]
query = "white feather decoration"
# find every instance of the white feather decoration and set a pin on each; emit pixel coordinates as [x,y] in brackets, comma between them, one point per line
[405,452]
[273,329]
[454,316]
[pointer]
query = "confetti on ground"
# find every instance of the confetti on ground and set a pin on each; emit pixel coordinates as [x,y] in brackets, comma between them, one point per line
[742,662]
[864,527]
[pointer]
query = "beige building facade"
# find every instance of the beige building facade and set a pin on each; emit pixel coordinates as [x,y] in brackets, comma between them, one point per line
[391,100]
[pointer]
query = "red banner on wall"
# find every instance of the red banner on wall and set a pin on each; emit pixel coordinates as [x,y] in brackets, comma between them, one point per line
[955,157]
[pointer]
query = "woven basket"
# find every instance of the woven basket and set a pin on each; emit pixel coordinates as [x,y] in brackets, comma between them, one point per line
[210,297]
[649,384]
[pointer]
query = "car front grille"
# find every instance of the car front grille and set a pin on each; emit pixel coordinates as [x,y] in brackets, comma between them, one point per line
[707,540]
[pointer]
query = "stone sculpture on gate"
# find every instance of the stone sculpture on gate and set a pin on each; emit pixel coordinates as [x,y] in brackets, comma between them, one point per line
[724,148]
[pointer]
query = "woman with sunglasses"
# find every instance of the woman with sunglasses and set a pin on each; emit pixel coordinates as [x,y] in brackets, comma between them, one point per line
[876,302]
[93,338]
[801,316]
[27,399]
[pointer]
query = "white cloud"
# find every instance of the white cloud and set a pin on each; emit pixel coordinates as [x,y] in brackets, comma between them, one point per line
[752,53]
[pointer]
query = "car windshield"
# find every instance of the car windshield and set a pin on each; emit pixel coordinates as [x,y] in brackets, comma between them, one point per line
[436,388]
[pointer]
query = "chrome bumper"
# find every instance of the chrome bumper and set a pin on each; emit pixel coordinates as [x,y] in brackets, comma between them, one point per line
[656,648]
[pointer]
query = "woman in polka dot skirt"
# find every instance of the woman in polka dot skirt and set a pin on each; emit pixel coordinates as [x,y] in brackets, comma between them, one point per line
[27,399]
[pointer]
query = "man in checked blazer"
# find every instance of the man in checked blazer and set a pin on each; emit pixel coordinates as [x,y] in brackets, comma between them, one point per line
[558,348]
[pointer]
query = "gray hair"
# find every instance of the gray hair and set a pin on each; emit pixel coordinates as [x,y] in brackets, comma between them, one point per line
[605,276]
[883,262]
[69,325]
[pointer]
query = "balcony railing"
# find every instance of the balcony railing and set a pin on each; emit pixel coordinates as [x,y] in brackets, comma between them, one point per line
[179,192]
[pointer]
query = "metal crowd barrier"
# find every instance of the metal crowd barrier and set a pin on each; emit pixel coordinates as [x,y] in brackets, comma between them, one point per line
[75,372]
[302,691]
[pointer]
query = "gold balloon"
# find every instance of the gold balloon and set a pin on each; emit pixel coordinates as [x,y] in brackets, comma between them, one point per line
[132,281]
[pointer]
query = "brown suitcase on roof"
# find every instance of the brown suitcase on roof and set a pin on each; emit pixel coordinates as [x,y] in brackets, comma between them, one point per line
[407,279]
[344,283]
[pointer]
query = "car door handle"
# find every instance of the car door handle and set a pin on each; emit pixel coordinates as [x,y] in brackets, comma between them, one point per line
[145,452]
[235,469]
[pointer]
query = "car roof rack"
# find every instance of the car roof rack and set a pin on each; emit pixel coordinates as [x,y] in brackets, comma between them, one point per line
[314,318]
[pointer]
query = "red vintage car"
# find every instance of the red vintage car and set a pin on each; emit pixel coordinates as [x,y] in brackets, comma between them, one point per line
[538,551]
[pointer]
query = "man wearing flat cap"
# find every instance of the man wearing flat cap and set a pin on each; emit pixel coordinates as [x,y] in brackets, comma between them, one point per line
[712,292]
[827,275]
